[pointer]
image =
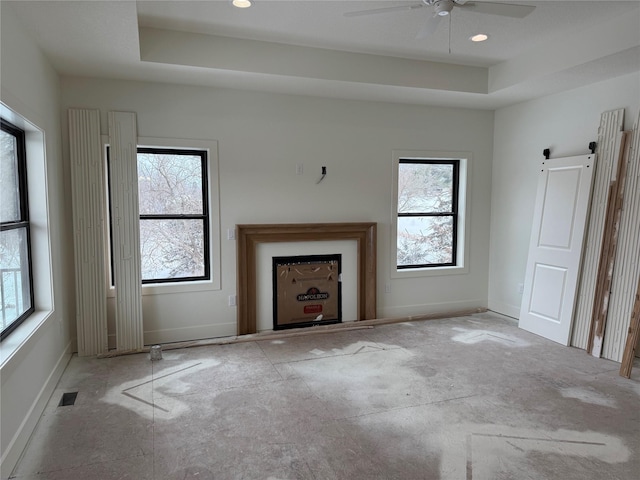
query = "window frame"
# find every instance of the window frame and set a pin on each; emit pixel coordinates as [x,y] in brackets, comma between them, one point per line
[453,213]
[23,222]
[204,216]
[462,218]
[213,226]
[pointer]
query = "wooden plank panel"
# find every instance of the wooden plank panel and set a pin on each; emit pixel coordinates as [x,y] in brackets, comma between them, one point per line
[633,337]
[611,123]
[608,252]
[127,273]
[627,270]
[88,192]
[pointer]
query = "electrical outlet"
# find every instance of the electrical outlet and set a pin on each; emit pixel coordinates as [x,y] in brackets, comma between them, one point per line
[387,287]
[299,169]
[232,300]
[521,288]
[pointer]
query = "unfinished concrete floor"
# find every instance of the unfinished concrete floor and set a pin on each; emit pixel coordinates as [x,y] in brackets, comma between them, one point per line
[464,398]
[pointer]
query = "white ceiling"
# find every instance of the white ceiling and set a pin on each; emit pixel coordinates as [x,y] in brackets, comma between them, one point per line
[310,47]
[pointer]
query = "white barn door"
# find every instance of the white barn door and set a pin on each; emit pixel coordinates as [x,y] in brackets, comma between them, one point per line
[555,250]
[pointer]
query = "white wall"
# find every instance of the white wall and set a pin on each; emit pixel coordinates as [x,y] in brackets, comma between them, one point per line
[565,123]
[262,137]
[35,354]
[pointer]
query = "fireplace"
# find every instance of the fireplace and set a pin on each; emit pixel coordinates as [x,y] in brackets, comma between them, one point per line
[250,236]
[307,290]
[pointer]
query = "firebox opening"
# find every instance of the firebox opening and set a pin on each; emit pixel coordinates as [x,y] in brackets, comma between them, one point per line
[307,291]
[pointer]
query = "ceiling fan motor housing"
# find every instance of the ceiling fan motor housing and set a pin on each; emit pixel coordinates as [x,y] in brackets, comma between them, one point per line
[442,7]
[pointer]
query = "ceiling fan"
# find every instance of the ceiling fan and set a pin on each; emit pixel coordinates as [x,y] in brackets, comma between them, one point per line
[443,8]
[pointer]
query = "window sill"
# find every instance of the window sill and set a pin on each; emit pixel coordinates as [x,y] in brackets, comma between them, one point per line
[11,345]
[165,288]
[429,272]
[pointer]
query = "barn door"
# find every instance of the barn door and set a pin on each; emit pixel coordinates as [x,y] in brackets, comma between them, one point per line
[555,250]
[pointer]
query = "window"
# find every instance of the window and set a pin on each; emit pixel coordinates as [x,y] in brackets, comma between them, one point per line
[174,215]
[16,284]
[427,213]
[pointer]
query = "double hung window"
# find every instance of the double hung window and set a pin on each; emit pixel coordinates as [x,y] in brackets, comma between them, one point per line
[174,215]
[427,213]
[16,283]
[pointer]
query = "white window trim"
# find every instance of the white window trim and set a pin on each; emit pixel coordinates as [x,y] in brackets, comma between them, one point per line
[41,259]
[214,283]
[464,209]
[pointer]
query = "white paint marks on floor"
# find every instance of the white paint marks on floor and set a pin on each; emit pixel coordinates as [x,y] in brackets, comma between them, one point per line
[358,347]
[483,451]
[352,349]
[588,396]
[157,395]
[475,336]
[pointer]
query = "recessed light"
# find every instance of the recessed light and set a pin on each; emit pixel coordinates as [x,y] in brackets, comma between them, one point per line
[241,3]
[480,37]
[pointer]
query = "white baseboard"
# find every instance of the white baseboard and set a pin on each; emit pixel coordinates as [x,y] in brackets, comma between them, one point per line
[411,310]
[185,334]
[505,309]
[21,438]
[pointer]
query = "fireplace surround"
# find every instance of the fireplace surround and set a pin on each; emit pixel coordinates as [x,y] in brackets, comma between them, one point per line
[249,236]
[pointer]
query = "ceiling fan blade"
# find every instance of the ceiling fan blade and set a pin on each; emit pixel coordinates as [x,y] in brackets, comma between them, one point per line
[503,9]
[429,27]
[384,10]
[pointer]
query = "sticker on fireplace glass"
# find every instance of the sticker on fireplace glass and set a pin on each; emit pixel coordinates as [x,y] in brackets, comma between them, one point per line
[306,290]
